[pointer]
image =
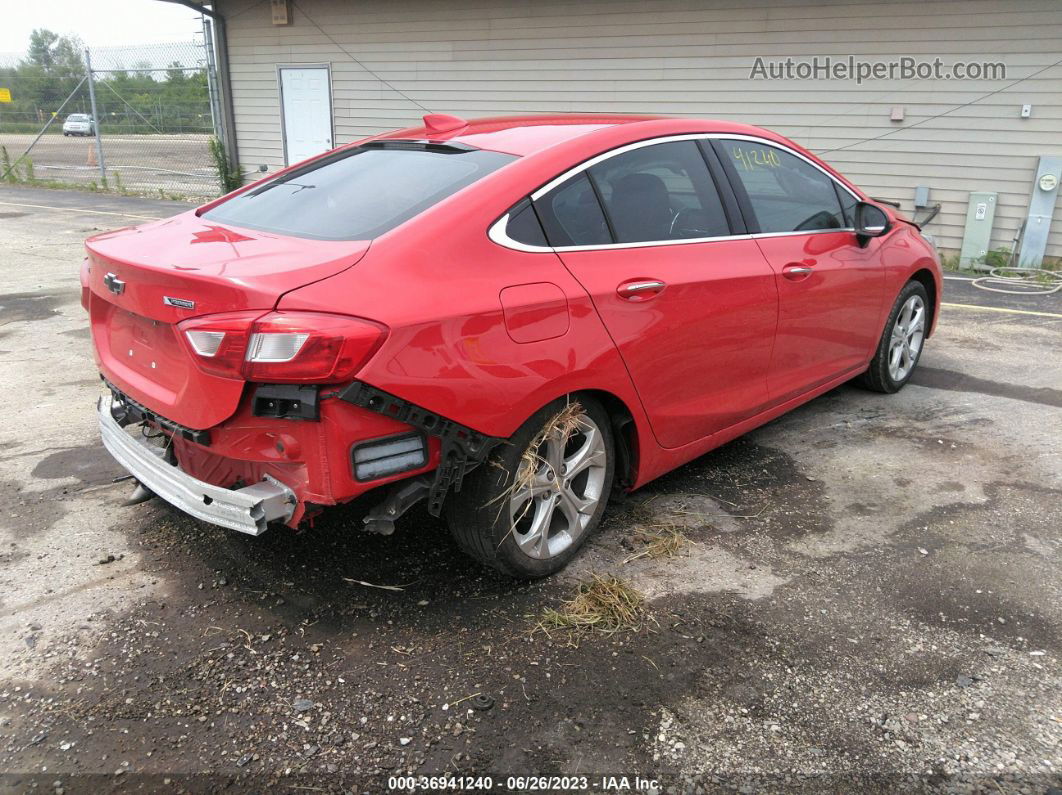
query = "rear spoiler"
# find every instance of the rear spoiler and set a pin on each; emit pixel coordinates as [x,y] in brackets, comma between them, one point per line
[422,145]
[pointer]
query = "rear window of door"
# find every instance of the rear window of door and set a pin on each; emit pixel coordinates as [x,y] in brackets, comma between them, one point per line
[654,193]
[357,194]
[660,192]
[787,194]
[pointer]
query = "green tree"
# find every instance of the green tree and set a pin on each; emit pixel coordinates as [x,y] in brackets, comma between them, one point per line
[42,48]
[51,70]
[145,99]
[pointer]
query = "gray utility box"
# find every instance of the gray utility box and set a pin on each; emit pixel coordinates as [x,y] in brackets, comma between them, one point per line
[1041,208]
[980,215]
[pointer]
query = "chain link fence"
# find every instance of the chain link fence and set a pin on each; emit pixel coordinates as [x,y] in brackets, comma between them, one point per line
[152,127]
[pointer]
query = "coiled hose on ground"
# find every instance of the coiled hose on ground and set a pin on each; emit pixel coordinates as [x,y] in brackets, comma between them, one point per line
[1020,281]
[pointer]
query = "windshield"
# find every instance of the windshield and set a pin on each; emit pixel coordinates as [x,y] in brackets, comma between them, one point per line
[77,117]
[358,194]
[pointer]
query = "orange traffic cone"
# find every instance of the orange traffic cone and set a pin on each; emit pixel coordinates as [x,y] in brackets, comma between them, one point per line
[91,161]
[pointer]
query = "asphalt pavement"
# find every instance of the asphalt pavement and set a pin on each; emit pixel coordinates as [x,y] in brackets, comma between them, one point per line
[870,597]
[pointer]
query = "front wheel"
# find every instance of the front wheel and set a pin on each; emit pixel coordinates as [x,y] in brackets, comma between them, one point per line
[901,342]
[532,504]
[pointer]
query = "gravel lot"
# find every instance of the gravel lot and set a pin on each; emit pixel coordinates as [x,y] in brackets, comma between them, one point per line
[871,599]
[173,164]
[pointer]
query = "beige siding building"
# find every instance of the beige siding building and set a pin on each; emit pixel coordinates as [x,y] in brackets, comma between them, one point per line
[683,57]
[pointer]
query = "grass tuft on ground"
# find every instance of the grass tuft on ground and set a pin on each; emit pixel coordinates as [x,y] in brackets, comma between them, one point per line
[602,604]
[659,541]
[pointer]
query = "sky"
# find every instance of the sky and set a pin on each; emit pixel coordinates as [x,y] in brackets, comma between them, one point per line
[100,23]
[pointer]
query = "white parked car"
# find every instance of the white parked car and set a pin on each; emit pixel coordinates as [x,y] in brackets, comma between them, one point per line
[79,124]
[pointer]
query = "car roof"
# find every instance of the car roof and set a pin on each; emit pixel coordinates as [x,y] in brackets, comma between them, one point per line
[525,135]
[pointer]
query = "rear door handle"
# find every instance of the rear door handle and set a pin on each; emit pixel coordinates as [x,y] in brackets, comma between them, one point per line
[640,289]
[795,272]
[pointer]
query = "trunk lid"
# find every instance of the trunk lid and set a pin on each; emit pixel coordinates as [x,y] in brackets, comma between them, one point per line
[144,280]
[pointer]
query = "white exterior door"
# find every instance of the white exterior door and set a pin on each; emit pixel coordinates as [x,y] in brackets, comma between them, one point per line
[306,99]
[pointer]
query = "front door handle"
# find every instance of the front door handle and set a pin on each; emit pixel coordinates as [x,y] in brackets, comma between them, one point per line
[796,272]
[640,289]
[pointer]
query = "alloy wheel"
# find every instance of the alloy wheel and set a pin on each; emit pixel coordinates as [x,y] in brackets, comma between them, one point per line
[559,491]
[908,332]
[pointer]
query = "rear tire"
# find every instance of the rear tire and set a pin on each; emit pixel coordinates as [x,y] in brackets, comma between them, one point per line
[528,509]
[901,342]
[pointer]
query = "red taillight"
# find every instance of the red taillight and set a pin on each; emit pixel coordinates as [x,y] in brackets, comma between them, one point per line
[282,347]
[310,347]
[218,343]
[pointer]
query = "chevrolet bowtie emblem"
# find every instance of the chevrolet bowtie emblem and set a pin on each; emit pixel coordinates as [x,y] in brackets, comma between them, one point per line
[114,284]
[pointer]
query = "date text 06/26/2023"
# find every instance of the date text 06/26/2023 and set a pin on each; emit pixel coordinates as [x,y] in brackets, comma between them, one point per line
[531,783]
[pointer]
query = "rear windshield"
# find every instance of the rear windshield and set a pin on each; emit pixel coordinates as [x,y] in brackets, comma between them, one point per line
[357,194]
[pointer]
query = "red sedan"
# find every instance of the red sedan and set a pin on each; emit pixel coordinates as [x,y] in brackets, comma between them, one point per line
[507,318]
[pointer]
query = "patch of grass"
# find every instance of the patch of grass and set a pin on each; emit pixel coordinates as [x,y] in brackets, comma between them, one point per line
[602,604]
[176,197]
[950,262]
[6,171]
[229,176]
[92,186]
[997,257]
[659,541]
[1035,276]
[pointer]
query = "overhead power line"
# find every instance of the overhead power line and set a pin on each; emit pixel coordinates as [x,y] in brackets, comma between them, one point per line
[354,58]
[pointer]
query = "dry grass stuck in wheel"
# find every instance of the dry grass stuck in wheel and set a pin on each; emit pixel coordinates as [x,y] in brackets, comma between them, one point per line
[565,422]
[659,541]
[603,604]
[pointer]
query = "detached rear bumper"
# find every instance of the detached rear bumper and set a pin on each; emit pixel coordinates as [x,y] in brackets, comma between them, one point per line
[248,510]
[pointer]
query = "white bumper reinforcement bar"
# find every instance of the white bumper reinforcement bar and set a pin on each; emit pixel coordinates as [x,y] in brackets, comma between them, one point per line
[248,510]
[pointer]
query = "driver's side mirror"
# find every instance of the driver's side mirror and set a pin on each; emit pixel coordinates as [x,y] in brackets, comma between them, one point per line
[870,221]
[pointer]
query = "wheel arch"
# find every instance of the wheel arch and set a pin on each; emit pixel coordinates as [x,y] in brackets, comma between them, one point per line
[624,431]
[924,276]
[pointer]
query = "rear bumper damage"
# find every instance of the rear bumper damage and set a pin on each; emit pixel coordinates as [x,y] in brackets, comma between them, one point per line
[462,450]
[298,463]
[248,510]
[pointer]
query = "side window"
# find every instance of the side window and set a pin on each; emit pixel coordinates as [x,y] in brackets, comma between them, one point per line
[523,226]
[571,214]
[787,193]
[660,192]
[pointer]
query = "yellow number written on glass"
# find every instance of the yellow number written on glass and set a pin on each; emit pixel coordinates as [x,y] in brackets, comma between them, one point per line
[752,159]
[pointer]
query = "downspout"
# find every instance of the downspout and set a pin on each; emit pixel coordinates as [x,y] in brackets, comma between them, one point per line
[221,42]
[228,112]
